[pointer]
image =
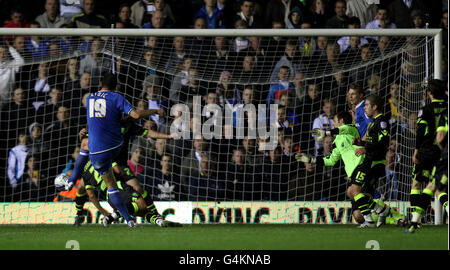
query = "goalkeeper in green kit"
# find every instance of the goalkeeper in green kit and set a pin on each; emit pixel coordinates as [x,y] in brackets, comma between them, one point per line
[361,189]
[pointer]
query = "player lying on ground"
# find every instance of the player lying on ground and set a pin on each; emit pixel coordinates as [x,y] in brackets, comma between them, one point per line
[428,157]
[136,205]
[354,167]
[129,130]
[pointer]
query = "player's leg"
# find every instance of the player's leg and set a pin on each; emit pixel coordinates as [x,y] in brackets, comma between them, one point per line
[134,183]
[80,200]
[420,199]
[440,179]
[377,171]
[103,164]
[82,159]
[363,202]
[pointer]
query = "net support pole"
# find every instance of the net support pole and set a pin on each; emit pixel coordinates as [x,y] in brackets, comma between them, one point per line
[437,74]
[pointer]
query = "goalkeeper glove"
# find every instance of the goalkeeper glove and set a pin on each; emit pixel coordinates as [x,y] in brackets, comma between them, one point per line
[320,133]
[301,157]
[69,186]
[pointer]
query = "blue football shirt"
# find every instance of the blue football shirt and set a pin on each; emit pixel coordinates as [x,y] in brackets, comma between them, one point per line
[361,119]
[104,111]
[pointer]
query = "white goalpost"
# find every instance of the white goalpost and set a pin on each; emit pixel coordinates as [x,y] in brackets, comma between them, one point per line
[226,179]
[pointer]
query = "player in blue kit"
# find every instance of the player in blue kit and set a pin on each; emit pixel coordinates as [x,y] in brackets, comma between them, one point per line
[104,112]
[355,96]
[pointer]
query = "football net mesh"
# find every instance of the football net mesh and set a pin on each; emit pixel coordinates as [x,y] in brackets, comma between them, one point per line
[308,76]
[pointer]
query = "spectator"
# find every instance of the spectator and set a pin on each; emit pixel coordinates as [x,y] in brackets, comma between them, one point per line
[281,86]
[417,18]
[220,58]
[227,92]
[276,177]
[89,18]
[43,83]
[73,94]
[240,43]
[365,10]
[360,75]
[258,52]
[143,10]
[344,42]
[252,156]
[324,122]
[32,181]
[160,148]
[320,51]
[152,88]
[308,109]
[135,162]
[392,164]
[46,112]
[248,71]
[307,45]
[72,74]
[213,16]
[20,46]
[247,13]
[169,18]
[394,102]
[165,185]
[37,145]
[286,101]
[191,163]
[95,63]
[176,57]
[336,86]
[381,21]
[300,87]
[273,44]
[351,55]
[70,8]
[278,10]
[124,17]
[374,86]
[17,160]
[199,45]
[156,21]
[237,186]
[400,11]
[204,185]
[340,20]
[383,47]
[332,61]
[51,18]
[36,44]
[295,19]
[15,115]
[247,100]
[8,69]
[62,134]
[318,13]
[17,21]
[282,122]
[290,59]
[183,72]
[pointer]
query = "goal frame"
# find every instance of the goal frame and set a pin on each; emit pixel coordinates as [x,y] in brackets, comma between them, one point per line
[436,34]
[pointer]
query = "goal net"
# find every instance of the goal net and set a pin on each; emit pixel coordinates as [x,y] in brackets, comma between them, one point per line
[307,74]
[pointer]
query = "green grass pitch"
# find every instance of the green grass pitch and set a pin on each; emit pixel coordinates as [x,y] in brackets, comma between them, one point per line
[221,237]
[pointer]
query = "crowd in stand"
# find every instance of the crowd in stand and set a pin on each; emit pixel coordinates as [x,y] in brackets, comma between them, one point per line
[44,83]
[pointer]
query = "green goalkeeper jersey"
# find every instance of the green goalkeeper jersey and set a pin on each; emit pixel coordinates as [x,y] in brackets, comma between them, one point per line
[343,148]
